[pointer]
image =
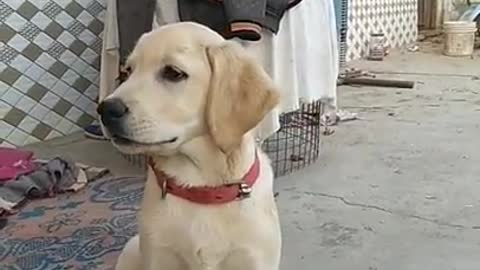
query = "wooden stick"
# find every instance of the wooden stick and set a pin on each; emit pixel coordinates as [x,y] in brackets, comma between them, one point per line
[378,82]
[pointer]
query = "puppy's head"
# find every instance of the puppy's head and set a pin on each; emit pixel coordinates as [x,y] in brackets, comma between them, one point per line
[186,81]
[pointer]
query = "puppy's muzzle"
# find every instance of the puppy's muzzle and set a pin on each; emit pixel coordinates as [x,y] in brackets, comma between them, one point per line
[113,114]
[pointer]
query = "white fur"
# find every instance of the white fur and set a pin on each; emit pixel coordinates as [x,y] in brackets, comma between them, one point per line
[175,234]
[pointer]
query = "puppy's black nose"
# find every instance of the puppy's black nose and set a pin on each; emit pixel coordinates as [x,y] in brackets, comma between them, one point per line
[112,109]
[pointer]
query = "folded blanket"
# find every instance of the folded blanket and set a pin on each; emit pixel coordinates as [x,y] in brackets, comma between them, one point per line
[50,177]
[14,162]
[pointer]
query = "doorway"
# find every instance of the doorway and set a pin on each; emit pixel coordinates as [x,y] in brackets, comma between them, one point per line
[427,14]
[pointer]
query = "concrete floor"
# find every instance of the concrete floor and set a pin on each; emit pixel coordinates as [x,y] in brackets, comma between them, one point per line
[397,190]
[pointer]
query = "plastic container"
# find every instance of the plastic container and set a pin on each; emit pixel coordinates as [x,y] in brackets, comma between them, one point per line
[376,47]
[459,38]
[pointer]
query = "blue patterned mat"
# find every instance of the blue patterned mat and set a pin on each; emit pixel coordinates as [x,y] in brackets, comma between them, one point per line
[82,231]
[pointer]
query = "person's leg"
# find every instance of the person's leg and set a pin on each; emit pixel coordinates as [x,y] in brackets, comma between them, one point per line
[109,64]
[94,131]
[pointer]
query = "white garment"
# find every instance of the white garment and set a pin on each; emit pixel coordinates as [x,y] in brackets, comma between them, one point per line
[302,58]
[110,59]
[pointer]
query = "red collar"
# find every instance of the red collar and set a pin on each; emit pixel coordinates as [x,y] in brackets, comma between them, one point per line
[209,195]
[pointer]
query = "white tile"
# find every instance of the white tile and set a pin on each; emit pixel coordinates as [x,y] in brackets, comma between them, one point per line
[71,95]
[12,96]
[87,36]
[89,55]
[48,80]
[31,140]
[66,39]
[41,20]
[68,58]
[102,2]
[17,137]
[39,111]
[91,92]
[3,66]
[43,41]
[28,124]
[62,3]
[5,129]
[79,66]
[21,63]
[15,21]
[60,88]
[45,60]
[7,144]
[83,103]
[35,72]
[101,16]
[74,114]
[75,128]
[64,19]
[90,73]
[4,109]
[18,42]
[54,134]
[85,18]
[26,104]
[52,119]
[15,4]
[92,109]
[23,84]
[96,81]
[84,3]
[3,87]
[64,126]
[50,100]
[70,77]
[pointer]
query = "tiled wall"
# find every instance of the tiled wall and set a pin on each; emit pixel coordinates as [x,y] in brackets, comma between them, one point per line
[49,67]
[397,19]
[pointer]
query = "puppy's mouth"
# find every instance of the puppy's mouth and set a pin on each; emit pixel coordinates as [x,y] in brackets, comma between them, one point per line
[123,141]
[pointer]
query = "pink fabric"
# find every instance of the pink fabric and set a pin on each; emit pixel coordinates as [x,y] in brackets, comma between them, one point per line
[14,162]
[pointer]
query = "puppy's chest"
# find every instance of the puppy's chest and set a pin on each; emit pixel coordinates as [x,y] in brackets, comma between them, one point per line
[201,239]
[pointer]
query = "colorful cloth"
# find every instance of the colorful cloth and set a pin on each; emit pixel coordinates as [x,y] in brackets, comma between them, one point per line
[83,231]
[14,162]
[49,178]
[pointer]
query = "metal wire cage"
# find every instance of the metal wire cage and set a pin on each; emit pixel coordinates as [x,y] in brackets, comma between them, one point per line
[297,143]
[293,147]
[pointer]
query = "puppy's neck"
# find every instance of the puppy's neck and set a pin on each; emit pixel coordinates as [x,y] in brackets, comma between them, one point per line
[201,163]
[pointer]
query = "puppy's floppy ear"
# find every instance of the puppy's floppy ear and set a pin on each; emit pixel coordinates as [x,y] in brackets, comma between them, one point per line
[240,95]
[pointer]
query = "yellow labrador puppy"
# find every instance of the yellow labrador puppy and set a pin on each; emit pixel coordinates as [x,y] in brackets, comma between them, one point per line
[190,105]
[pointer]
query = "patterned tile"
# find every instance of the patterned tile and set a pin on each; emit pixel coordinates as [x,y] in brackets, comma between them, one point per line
[49,67]
[52,9]
[56,49]
[7,54]
[397,19]
[5,11]
[30,31]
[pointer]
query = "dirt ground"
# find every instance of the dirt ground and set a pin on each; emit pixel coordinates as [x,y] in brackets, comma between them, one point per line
[396,190]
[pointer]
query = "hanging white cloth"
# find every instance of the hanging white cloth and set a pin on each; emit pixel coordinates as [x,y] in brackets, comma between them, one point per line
[302,58]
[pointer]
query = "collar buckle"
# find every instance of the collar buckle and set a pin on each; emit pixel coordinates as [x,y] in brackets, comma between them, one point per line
[244,191]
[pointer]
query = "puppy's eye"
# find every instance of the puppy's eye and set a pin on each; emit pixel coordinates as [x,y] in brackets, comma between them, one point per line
[173,74]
